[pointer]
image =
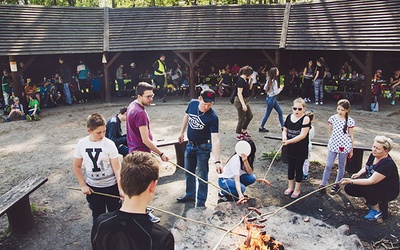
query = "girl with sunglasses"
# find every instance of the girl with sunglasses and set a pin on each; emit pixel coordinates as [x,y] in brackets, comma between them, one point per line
[340,144]
[295,138]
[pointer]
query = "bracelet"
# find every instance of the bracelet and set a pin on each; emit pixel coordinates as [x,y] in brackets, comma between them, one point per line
[217,162]
[161,154]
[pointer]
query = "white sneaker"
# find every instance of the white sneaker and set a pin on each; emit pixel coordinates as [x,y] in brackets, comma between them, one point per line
[308,99]
[316,103]
[321,103]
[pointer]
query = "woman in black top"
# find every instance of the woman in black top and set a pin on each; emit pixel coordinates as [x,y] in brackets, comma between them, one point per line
[242,102]
[381,182]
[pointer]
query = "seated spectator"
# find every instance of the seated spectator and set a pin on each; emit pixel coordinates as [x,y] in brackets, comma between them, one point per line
[129,227]
[378,75]
[29,89]
[45,94]
[235,69]
[55,95]
[394,86]
[17,110]
[114,132]
[378,182]
[33,108]
[237,175]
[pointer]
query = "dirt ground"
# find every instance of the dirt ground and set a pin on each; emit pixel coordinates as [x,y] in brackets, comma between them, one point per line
[62,217]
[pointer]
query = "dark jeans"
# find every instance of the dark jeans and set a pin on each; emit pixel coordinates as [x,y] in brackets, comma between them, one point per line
[197,156]
[160,81]
[99,204]
[121,86]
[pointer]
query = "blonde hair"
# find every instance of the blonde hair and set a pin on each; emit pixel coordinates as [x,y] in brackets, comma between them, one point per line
[385,141]
[300,100]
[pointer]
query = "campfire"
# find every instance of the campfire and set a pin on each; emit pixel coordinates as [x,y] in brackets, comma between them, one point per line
[258,239]
[257,232]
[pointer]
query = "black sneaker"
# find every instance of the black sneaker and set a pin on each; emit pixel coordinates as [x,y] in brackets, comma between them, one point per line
[264,130]
[335,189]
[306,177]
[321,191]
[222,197]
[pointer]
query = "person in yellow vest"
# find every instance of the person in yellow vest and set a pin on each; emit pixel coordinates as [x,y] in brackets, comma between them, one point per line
[160,72]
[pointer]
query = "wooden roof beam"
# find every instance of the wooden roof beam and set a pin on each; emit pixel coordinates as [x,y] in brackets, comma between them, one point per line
[285,25]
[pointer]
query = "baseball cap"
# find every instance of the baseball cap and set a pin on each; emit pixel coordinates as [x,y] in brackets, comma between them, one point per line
[208,95]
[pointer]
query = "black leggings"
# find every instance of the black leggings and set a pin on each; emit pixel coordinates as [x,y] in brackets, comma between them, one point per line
[295,168]
[373,194]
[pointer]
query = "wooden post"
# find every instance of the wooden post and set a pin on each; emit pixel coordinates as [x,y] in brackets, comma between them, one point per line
[367,81]
[16,78]
[107,90]
[20,217]
[192,76]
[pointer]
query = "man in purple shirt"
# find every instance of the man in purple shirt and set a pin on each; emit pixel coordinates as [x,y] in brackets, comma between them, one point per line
[139,137]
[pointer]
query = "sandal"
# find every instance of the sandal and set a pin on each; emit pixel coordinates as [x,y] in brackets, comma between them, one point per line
[288,192]
[294,195]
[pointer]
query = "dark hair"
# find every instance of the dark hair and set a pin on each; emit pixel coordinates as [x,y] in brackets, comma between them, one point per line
[94,121]
[251,156]
[246,70]
[346,105]
[138,170]
[142,87]
[272,76]
[123,110]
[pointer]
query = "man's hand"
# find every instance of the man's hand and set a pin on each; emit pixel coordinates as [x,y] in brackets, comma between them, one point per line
[164,158]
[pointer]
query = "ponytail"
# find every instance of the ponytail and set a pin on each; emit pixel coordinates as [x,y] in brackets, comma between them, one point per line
[345,124]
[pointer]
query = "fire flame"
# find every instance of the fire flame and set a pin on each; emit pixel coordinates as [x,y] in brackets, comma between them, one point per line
[259,240]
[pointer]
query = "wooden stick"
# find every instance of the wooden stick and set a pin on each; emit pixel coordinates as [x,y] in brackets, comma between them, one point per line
[297,200]
[167,212]
[230,230]
[206,182]
[273,159]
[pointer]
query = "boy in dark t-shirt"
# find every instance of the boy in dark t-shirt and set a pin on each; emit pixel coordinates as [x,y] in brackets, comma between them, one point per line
[129,227]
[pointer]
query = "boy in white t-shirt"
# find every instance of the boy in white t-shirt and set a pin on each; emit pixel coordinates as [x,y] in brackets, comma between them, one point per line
[101,159]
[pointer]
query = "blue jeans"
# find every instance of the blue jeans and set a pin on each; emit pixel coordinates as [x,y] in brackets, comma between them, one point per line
[319,90]
[272,103]
[67,93]
[228,184]
[197,156]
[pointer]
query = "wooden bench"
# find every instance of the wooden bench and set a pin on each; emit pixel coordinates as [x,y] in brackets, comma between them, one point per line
[346,94]
[179,149]
[17,206]
[352,166]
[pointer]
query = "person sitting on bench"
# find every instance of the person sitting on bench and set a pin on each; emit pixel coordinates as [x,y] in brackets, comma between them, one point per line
[381,182]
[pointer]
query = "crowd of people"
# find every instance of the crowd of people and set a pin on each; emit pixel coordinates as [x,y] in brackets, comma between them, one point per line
[63,87]
[129,222]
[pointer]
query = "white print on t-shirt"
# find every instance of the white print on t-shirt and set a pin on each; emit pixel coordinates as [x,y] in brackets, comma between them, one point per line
[195,122]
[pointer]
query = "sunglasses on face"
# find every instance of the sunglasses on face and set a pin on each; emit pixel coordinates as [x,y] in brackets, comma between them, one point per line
[295,108]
